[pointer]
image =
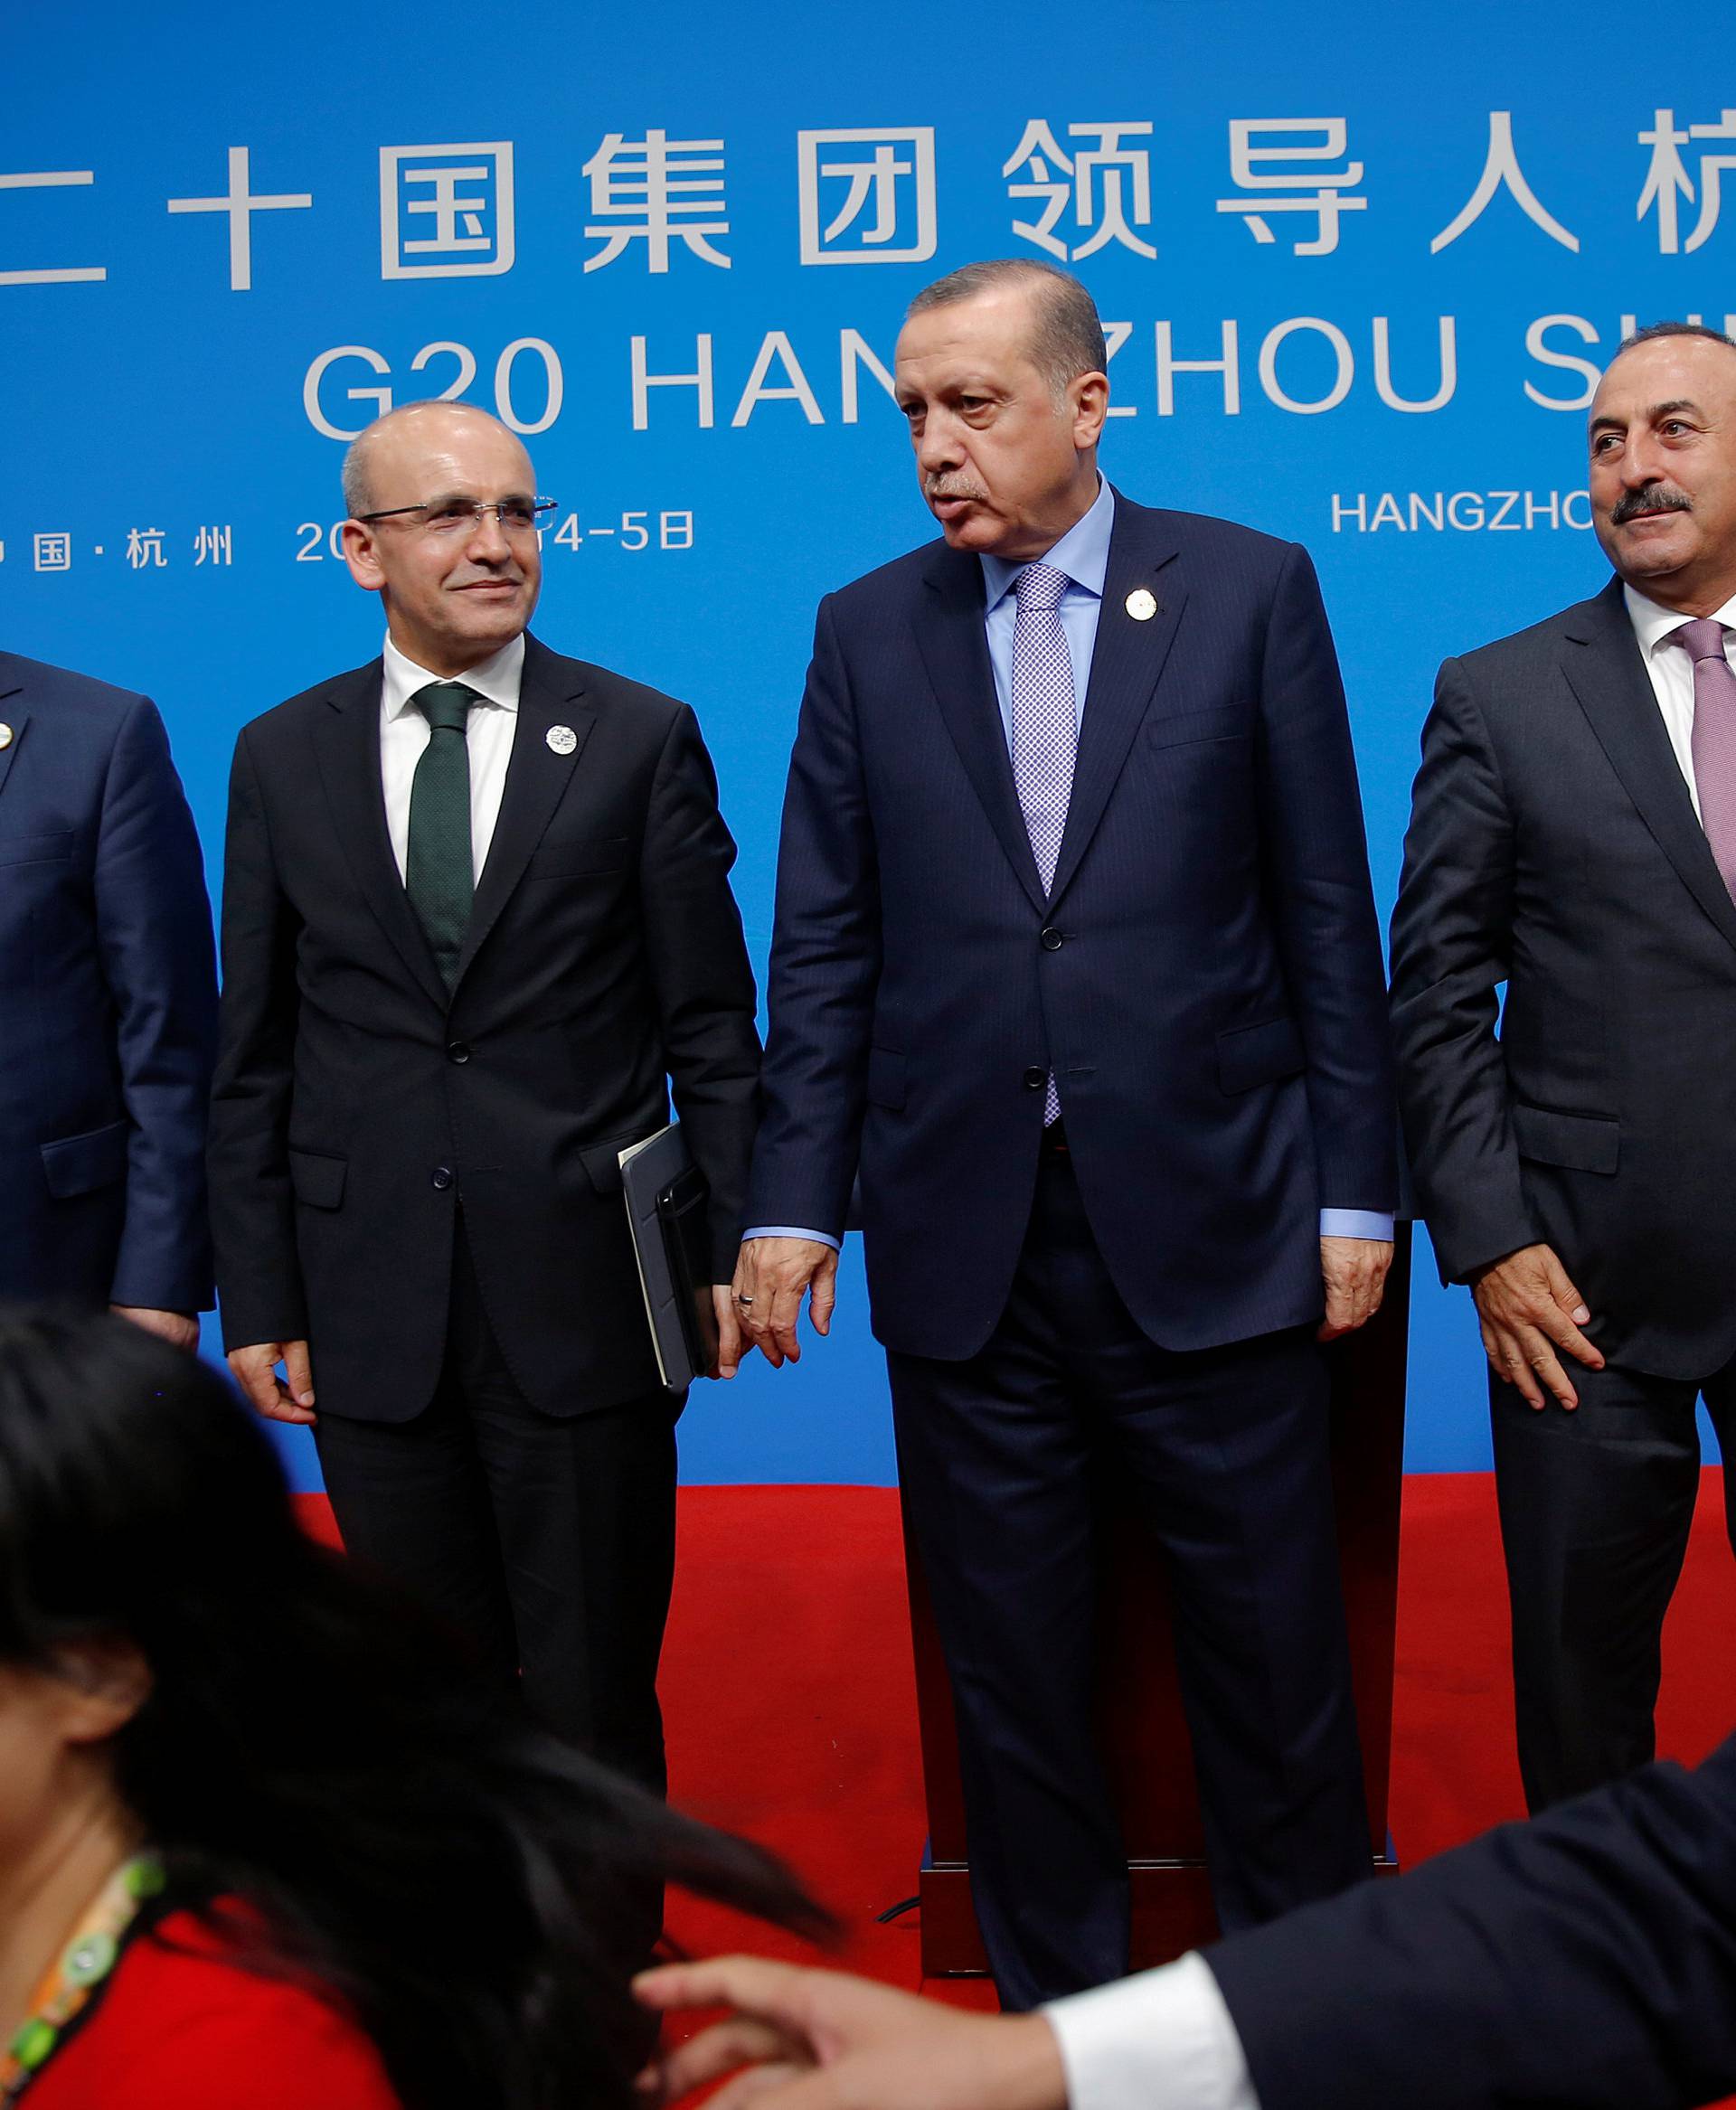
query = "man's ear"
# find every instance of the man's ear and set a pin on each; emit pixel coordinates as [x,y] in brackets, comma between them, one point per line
[103,1685]
[362,554]
[1090,395]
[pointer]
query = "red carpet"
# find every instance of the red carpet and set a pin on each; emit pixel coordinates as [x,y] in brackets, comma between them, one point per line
[791,1705]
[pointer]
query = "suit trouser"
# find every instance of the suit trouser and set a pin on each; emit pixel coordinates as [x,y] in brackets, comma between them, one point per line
[1594,1510]
[1003,1459]
[548,1542]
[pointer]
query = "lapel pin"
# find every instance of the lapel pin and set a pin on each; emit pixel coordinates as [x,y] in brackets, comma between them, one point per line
[1142,604]
[5,736]
[561,738]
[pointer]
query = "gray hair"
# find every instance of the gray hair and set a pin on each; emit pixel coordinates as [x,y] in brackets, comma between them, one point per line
[358,492]
[1066,335]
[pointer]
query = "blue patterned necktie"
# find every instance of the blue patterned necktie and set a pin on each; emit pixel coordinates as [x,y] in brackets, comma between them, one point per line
[1046,730]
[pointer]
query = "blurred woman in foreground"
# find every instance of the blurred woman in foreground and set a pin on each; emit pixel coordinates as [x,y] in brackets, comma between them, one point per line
[262,1840]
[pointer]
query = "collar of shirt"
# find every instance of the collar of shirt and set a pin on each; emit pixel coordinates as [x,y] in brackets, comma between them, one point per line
[1082,553]
[496,679]
[1655,625]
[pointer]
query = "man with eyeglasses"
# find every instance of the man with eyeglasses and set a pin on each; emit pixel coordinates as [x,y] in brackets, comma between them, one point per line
[476,920]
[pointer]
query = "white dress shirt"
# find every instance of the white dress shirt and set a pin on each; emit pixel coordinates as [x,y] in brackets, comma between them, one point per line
[1160,2040]
[1671,671]
[488,735]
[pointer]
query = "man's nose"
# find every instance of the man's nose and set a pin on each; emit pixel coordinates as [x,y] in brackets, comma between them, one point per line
[937,447]
[487,543]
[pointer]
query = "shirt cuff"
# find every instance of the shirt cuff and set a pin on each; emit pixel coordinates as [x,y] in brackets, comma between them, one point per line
[1162,2037]
[1355,1223]
[794,1230]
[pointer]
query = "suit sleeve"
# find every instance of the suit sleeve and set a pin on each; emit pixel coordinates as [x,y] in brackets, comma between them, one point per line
[825,955]
[1316,856]
[702,978]
[252,1204]
[153,926]
[1452,931]
[1588,1958]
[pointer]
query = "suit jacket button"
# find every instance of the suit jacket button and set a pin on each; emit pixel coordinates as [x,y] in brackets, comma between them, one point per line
[1035,1078]
[459,1051]
[442,1177]
[1052,939]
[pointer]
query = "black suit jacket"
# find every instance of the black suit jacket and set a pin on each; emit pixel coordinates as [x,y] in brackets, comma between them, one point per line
[1205,973]
[1586,1961]
[357,1106]
[1553,845]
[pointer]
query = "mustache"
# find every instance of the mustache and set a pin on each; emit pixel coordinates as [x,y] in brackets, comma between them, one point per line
[1649,498]
[948,488]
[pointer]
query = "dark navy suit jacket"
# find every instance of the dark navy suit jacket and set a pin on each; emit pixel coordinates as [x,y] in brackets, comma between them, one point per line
[1588,1958]
[107,1001]
[1205,975]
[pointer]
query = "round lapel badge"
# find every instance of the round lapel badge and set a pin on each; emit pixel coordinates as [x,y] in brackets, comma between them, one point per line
[561,738]
[5,736]
[1142,604]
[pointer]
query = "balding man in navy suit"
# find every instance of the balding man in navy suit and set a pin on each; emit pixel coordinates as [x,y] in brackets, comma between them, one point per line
[1076,958]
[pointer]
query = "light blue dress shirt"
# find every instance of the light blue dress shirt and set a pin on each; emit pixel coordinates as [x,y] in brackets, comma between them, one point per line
[1083,554]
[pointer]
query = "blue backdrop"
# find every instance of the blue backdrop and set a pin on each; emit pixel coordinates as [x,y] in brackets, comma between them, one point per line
[1360,264]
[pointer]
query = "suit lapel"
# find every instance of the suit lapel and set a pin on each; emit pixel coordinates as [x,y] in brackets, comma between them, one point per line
[14,716]
[1606,670]
[949,633]
[346,745]
[1127,662]
[551,694]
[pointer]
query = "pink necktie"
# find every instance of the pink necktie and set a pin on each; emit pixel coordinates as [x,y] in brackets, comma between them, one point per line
[1045,731]
[1714,738]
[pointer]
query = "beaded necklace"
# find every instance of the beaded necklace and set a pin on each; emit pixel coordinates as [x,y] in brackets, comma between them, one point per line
[79,1974]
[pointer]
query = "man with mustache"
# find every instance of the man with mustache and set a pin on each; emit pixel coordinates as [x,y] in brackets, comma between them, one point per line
[1573,834]
[1075,955]
[476,919]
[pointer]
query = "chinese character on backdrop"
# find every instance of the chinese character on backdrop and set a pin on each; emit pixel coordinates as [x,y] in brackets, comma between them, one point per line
[53,553]
[1668,180]
[446,211]
[144,550]
[211,546]
[1302,144]
[867,196]
[656,190]
[1107,185]
[1501,171]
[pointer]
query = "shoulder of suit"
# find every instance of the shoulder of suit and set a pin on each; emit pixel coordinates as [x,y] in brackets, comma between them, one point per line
[319,695]
[1535,645]
[83,696]
[1205,535]
[602,686]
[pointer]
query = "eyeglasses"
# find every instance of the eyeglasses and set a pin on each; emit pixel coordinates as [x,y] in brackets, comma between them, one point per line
[517,516]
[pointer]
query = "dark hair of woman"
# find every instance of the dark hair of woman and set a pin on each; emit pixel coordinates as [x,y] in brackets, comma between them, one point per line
[312,1763]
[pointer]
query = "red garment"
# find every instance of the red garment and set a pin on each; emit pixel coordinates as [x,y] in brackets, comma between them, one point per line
[180,2028]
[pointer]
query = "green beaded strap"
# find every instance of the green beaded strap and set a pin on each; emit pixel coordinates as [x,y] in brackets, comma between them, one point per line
[79,1974]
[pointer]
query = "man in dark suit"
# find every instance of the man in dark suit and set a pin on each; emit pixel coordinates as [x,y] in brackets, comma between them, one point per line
[1075,953]
[1585,1961]
[477,915]
[1573,834]
[107,1006]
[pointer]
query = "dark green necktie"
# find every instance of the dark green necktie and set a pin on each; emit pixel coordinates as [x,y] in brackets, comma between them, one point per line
[437,874]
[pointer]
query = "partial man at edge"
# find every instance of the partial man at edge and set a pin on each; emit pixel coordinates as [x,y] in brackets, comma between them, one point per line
[1573,834]
[107,1006]
[1075,953]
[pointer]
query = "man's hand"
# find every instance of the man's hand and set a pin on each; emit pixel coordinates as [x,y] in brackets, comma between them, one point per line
[179,1329]
[1355,1273]
[255,1371]
[769,1278]
[819,2040]
[1529,1309]
[729,1348]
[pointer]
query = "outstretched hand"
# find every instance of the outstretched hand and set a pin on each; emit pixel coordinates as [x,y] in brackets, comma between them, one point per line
[802,2040]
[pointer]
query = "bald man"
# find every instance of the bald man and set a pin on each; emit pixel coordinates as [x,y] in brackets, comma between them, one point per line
[477,920]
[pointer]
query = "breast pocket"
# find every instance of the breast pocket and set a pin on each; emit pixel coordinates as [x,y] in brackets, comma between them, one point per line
[1179,729]
[52,848]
